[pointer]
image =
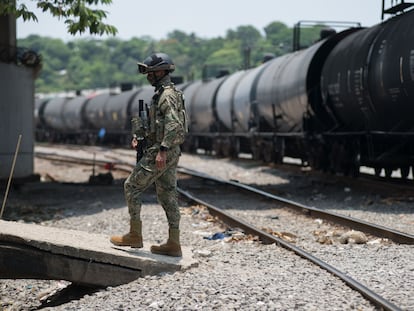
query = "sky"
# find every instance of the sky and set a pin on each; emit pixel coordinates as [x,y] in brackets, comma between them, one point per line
[206,18]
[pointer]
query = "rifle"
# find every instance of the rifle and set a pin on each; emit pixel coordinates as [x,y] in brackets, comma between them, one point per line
[140,128]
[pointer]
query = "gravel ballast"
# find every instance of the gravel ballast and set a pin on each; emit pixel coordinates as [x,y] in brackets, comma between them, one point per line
[243,275]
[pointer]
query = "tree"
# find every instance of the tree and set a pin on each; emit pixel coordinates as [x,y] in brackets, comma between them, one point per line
[279,36]
[228,57]
[248,35]
[79,15]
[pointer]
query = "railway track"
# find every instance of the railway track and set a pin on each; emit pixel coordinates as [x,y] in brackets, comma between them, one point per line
[355,224]
[266,236]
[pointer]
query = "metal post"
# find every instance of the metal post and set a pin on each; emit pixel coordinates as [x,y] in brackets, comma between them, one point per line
[11,174]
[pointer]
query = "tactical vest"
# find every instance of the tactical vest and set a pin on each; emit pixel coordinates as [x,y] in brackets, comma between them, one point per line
[156,117]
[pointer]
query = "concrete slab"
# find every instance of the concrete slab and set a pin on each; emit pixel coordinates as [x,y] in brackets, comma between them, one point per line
[93,248]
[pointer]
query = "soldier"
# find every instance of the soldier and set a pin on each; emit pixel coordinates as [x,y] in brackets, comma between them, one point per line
[163,135]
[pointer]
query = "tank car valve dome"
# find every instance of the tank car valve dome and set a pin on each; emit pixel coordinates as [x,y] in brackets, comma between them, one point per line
[156,62]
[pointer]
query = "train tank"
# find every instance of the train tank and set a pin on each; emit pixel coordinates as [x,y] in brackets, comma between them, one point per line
[53,118]
[73,114]
[245,97]
[289,87]
[189,93]
[145,93]
[38,117]
[225,102]
[118,110]
[368,79]
[368,84]
[117,113]
[202,106]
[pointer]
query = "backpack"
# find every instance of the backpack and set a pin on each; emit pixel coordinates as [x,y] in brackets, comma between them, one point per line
[182,114]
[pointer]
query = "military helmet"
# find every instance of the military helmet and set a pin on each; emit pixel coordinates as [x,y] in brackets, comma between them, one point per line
[156,62]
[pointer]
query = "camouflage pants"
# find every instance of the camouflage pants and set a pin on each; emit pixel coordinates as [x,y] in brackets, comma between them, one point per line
[144,175]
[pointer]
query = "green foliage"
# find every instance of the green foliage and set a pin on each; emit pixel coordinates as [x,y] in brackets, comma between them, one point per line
[310,35]
[79,15]
[91,64]
[279,36]
[228,57]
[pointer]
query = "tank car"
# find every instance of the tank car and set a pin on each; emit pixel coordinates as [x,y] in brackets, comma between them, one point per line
[95,116]
[343,102]
[76,126]
[145,93]
[39,122]
[61,119]
[192,143]
[53,118]
[367,84]
[116,116]
[227,144]
[261,110]
[202,111]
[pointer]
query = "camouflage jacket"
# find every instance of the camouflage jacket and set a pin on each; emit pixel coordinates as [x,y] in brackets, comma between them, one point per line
[167,115]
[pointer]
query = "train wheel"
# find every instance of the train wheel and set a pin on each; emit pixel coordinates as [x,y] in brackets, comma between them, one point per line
[268,153]
[234,148]
[194,144]
[218,147]
[187,145]
[352,167]
[279,152]
[405,170]
[226,150]
[227,147]
[314,160]
[256,151]
[388,172]
[80,140]
[355,170]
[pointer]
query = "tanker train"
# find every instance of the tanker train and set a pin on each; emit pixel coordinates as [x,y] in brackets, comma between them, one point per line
[344,102]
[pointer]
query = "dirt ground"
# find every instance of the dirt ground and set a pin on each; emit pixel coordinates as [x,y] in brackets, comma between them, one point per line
[64,188]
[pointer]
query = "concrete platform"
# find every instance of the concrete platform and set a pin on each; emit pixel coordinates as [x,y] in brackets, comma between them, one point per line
[40,252]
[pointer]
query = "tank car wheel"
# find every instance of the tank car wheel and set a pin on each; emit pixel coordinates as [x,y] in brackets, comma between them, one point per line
[189,145]
[314,160]
[51,139]
[218,147]
[377,171]
[186,147]
[388,172]
[92,139]
[352,167]
[279,152]
[405,171]
[80,140]
[195,144]
[256,152]
[124,140]
[226,147]
[278,157]
[354,171]
[268,153]
[234,148]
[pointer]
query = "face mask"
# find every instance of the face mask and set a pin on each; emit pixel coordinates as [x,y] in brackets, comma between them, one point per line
[152,79]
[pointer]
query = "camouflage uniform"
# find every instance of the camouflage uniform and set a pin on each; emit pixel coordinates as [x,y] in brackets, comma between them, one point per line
[165,129]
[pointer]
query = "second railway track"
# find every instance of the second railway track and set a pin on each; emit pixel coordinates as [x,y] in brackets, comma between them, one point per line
[320,234]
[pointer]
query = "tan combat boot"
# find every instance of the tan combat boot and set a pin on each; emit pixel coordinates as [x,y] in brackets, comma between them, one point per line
[172,247]
[133,238]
